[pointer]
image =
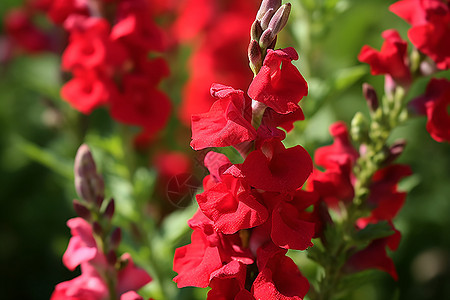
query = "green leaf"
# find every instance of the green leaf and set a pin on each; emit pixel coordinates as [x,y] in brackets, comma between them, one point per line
[374,231]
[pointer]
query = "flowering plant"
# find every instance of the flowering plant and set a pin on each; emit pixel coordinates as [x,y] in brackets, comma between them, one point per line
[280,199]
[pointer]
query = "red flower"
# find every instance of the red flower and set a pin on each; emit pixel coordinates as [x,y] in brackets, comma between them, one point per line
[279,278]
[138,31]
[430,20]
[280,88]
[384,199]
[226,124]
[231,205]
[374,256]
[90,46]
[435,104]
[24,33]
[391,60]
[277,169]
[87,91]
[291,226]
[208,254]
[141,104]
[339,151]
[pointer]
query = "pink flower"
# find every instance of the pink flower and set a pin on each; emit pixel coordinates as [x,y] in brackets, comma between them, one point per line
[279,84]
[82,246]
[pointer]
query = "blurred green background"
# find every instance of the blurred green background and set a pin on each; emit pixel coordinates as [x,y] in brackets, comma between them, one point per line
[39,135]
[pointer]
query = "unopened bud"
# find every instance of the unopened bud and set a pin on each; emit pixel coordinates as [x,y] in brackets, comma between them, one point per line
[256,30]
[254,56]
[109,210]
[99,201]
[265,6]
[265,20]
[111,257]
[266,38]
[81,210]
[359,128]
[371,96]
[116,237]
[395,151]
[84,162]
[280,18]
[97,228]
[88,183]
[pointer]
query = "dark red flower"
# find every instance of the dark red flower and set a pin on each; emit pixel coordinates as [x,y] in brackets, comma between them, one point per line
[279,84]
[392,59]
[277,169]
[435,104]
[374,256]
[384,199]
[226,124]
[22,31]
[430,20]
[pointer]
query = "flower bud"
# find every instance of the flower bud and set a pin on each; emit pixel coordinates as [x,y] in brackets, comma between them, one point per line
[88,183]
[265,6]
[109,210]
[111,257]
[255,56]
[395,151]
[265,20]
[371,96]
[97,228]
[256,30]
[266,39]
[84,162]
[81,210]
[359,128]
[280,18]
[116,237]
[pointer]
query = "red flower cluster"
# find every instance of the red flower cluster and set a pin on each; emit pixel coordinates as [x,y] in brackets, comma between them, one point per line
[251,213]
[108,56]
[335,187]
[430,34]
[430,20]
[23,33]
